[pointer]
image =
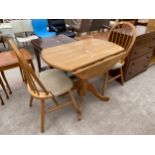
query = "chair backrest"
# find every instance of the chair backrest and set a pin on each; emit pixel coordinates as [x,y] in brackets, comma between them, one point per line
[39,25]
[59,24]
[85,25]
[98,68]
[33,81]
[27,25]
[96,24]
[123,34]
[17,26]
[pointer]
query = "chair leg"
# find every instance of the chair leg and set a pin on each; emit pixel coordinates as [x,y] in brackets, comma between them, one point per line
[3,86]
[21,72]
[42,111]
[32,65]
[122,76]
[75,106]
[55,101]
[31,101]
[2,102]
[105,83]
[7,84]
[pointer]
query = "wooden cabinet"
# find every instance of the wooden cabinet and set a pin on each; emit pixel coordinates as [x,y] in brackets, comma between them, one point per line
[141,55]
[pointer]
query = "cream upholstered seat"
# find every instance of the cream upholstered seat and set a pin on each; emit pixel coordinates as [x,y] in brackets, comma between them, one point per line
[117,65]
[56,81]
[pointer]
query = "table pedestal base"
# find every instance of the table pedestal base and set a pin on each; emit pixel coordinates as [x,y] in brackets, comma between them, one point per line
[83,86]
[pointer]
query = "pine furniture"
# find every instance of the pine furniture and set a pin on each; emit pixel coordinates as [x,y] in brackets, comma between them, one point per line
[86,59]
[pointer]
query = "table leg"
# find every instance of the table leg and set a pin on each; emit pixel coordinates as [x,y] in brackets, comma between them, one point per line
[37,53]
[79,89]
[83,86]
[7,84]
[93,90]
[86,86]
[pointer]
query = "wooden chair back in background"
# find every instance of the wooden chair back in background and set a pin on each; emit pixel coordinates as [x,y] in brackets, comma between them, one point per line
[123,34]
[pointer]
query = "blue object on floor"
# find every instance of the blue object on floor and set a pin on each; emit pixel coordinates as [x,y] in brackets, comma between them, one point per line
[40,28]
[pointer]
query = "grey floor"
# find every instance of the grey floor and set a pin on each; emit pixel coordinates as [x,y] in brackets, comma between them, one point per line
[130,110]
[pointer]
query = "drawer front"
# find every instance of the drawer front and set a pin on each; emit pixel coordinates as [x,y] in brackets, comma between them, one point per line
[138,65]
[142,47]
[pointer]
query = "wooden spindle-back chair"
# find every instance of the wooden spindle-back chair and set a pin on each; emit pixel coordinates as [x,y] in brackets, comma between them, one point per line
[123,34]
[37,89]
